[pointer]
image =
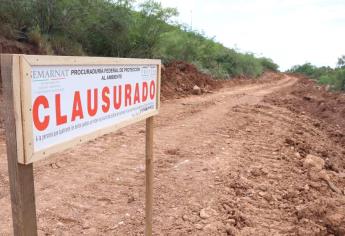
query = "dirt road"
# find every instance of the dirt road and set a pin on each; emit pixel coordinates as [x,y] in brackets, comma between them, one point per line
[223,166]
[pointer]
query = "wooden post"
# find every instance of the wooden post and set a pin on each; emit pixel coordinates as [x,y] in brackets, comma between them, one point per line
[20,176]
[149,176]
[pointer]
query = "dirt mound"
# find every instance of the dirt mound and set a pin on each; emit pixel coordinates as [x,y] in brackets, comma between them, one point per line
[179,79]
[328,108]
[321,211]
[11,46]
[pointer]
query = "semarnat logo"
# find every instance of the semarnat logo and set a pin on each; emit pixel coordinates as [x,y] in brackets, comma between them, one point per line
[47,74]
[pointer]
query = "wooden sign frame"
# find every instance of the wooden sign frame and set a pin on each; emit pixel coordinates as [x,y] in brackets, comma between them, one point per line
[16,79]
[23,93]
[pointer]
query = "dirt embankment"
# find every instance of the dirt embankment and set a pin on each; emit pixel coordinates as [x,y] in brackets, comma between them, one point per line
[179,79]
[320,209]
[327,109]
[15,47]
[11,46]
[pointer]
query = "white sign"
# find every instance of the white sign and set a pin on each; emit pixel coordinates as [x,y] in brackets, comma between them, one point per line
[72,101]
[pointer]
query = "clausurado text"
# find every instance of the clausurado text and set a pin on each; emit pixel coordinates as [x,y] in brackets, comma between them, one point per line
[105,100]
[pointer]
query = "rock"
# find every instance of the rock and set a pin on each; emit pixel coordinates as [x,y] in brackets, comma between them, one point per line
[213,227]
[315,162]
[322,175]
[60,224]
[329,165]
[336,222]
[130,199]
[231,230]
[316,175]
[335,219]
[191,218]
[231,221]
[198,226]
[315,185]
[203,90]
[54,165]
[297,155]
[256,172]
[207,213]
[203,214]
[263,187]
[196,90]
[210,228]
[268,197]
[300,211]
[306,187]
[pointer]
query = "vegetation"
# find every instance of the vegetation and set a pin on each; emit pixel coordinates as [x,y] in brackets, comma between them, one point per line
[324,75]
[121,29]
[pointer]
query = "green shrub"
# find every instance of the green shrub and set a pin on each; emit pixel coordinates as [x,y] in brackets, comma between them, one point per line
[306,69]
[323,75]
[327,79]
[268,64]
[64,46]
[35,37]
[340,79]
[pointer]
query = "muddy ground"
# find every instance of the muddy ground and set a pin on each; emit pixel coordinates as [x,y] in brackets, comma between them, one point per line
[232,162]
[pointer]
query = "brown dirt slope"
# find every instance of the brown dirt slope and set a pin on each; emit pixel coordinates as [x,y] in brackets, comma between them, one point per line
[179,78]
[11,46]
[327,109]
[320,209]
[14,47]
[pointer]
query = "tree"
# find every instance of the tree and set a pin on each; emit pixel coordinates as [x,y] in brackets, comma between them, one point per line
[307,69]
[268,64]
[341,62]
[148,26]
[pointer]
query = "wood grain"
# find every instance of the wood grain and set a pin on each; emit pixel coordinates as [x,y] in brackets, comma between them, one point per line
[149,176]
[20,176]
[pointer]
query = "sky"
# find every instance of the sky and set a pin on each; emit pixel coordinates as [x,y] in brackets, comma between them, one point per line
[288,31]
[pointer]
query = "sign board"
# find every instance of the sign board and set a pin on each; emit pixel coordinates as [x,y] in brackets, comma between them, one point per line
[53,103]
[69,100]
